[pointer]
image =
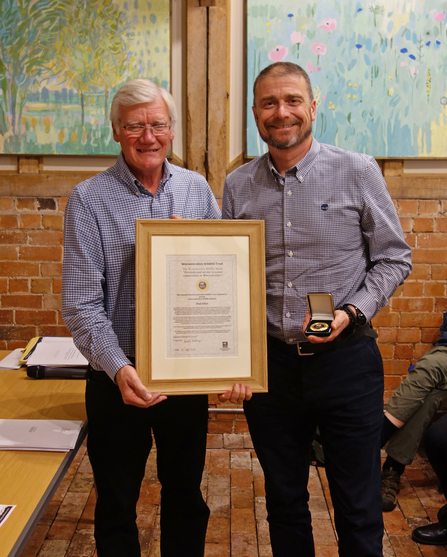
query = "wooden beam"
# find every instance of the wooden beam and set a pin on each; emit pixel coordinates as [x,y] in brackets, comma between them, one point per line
[417,187]
[213,3]
[42,185]
[218,97]
[196,87]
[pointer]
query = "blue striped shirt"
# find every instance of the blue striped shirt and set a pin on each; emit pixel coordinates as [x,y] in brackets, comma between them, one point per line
[98,279]
[331,226]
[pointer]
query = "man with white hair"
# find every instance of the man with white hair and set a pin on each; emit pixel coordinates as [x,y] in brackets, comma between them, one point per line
[99,310]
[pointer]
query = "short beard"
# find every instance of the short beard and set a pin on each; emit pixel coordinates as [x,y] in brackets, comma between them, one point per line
[282,144]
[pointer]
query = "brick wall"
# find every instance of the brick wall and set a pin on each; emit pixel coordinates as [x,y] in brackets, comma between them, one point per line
[31,249]
[409,325]
[32,204]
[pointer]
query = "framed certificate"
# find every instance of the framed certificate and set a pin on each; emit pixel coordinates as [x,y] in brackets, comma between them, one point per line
[200,305]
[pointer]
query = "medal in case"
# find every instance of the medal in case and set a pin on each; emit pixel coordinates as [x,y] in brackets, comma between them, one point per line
[321,308]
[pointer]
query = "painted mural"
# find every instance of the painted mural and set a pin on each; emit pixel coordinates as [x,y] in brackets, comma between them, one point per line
[61,61]
[378,70]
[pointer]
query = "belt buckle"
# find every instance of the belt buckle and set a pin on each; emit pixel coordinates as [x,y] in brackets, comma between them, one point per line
[302,353]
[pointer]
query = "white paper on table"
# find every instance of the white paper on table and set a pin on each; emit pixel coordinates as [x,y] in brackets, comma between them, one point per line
[39,435]
[58,353]
[11,361]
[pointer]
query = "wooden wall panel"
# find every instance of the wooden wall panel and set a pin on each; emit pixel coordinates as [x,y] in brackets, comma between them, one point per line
[207,120]
[218,97]
[196,87]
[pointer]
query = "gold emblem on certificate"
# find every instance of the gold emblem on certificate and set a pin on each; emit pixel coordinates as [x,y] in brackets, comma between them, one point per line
[202,285]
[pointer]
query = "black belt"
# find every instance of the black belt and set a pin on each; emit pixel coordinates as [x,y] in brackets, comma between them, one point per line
[306,348]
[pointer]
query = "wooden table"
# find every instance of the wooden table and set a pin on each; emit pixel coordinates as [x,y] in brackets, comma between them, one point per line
[29,479]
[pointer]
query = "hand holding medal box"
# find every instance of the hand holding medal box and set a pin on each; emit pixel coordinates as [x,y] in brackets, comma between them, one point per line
[321,308]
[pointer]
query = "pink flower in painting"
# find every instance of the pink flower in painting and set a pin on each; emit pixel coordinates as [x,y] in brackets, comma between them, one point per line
[310,68]
[278,54]
[319,49]
[439,16]
[413,71]
[328,24]
[297,37]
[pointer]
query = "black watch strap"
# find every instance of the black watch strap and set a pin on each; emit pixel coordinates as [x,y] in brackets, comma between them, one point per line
[350,314]
[357,319]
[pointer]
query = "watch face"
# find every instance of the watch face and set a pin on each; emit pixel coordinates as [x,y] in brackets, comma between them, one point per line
[361,319]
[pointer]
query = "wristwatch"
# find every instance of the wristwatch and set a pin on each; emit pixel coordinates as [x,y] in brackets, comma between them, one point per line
[360,319]
[356,320]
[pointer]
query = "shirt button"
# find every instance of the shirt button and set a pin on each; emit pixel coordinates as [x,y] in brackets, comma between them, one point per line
[291,339]
[288,314]
[289,224]
[290,254]
[289,284]
[300,178]
[289,193]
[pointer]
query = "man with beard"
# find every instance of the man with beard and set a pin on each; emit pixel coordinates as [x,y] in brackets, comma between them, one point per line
[331,226]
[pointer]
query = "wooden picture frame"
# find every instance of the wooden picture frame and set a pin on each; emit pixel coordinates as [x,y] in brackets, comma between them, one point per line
[200,305]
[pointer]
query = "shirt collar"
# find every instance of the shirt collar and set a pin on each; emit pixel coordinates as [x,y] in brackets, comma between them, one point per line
[129,179]
[302,167]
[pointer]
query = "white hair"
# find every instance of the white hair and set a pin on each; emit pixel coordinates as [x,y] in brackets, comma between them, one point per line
[139,91]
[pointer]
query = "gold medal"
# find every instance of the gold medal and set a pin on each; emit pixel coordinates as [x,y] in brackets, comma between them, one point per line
[319,327]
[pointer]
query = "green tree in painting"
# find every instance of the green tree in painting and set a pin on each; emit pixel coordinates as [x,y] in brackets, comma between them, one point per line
[114,59]
[60,62]
[28,31]
[93,48]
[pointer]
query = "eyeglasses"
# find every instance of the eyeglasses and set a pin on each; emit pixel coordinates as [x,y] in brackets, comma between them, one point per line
[139,129]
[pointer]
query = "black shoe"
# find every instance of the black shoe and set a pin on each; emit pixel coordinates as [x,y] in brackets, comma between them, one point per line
[390,489]
[432,534]
[442,514]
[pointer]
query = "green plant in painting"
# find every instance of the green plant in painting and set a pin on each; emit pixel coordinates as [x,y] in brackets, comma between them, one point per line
[60,60]
[376,10]
[93,48]
[28,31]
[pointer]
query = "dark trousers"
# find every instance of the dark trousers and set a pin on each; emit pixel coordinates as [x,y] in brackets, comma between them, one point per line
[341,392]
[119,442]
[435,444]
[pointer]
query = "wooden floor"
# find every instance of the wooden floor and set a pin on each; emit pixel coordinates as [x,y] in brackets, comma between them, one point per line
[234,490]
